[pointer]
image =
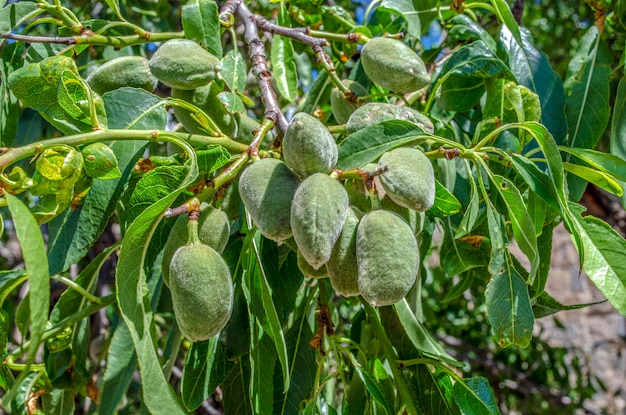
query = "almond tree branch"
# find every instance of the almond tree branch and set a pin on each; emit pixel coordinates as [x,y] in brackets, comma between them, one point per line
[256,52]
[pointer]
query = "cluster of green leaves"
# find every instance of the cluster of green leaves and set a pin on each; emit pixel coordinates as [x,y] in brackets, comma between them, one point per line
[513,148]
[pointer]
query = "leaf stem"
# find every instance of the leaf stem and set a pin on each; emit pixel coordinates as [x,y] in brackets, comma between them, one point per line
[15,154]
[67,322]
[89,296]
[392,357]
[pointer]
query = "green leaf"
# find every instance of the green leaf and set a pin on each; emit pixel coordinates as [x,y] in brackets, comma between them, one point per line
[10,60]
[235,389]
[523,226]
[59,402]
[433,391]
[201,23]
[41,86]
[234,71]
[506,16]
[587,91]
[130,283]
[371,142]
[115,6]
[508,304]
[36,264]
[302,366]
[532,69]
[319,94]
[260,301]
[603,257]
[420,337]
[120,368]
[100,162]
[545,305]
[372,385]
[11,15]
[472,211]
[283,64]
[409,10]
[544,245]
[206,367]
[605,162]
[445,202]
[475,61]
[262,364]
[72,233]
[618,126]
[599,178]
[458,256]
[465,30]
[134,109]
[10,280]
[460,93]
[153,186]
[474,396]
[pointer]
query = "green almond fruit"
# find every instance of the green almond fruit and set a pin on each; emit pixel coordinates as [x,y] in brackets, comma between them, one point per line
[308,271]
[387,257]
[213,230]
[408,178]
[341,105]
[342,266]
[318,213]
[267,189]
[206,99]
[393,65]
[202,291]
[308,147]
[184,64]
[377,112]
[132,71]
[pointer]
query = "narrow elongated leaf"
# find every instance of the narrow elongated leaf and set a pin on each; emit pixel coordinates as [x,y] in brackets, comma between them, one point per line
[506,16]
[618,126]
[302,365]
[234,71]
[545,305]
[599,178]
[283,64]
[474,396]
[369,143]
[201,23]
[433,391]
[374,388]
[587,92]
[262,306]
[523,227]
[206,367]
[119,371]
[420,337]
[508,304]
[319,94]
[532,69]
[36,264]
[236,389]
[446,204]
[605,162]
[158,396]
[115,6]
[262,363]
[10,60]
[465,29]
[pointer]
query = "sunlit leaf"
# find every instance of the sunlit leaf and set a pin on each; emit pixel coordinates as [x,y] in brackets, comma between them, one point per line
[474,396]
[200,19]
